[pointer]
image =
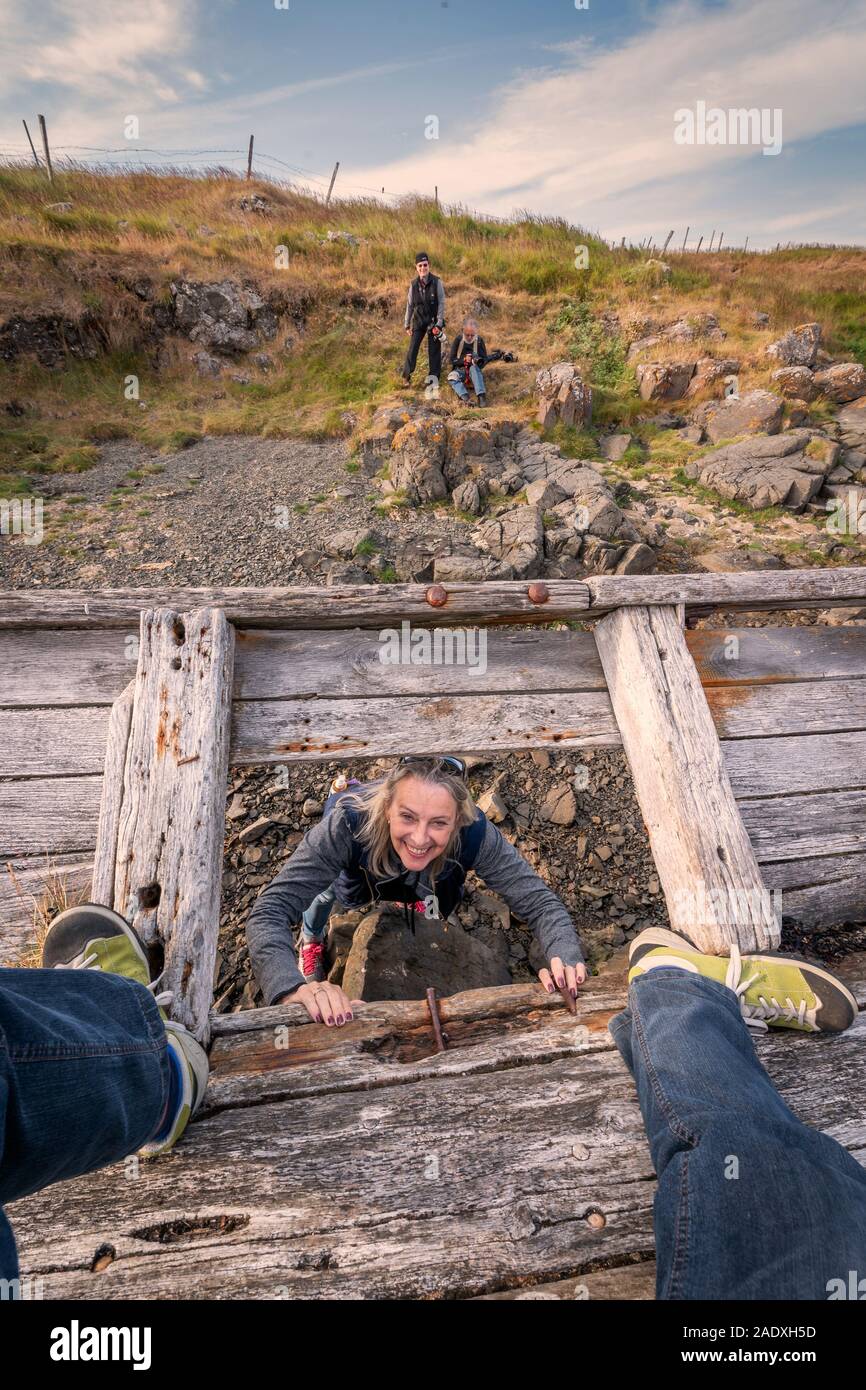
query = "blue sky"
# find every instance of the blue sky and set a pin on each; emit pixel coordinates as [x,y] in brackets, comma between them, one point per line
[539,105]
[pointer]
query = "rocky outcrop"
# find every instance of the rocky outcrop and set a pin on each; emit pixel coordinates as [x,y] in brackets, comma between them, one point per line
[664,381]
[52,338]
[757,412]
[799,347]
[516,539]
[563,397]
[843,382]
[795,383]
[711,374]
[787,470]
[223,317]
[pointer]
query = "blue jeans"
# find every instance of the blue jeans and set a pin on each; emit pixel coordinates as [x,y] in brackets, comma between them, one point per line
[315,919]
[477,379]
[84,1079]
[751,1202]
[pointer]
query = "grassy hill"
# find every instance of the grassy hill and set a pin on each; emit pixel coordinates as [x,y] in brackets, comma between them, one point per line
[123,229]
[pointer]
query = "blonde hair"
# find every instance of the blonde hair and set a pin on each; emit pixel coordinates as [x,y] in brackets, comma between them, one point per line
[374,803]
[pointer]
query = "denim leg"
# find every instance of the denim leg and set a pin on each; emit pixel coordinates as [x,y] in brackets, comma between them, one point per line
[458,386]
[751,1202]
[84,1078]
[477,379]
[315,919]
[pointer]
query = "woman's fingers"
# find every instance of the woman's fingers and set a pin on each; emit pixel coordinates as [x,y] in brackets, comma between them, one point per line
[557,969]
[306,996]
[544,978]
[574,978]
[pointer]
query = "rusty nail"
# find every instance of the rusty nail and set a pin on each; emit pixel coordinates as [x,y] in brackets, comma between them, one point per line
[436,596]
[193,759]
[435,1021]
[538,593]
[570,1004]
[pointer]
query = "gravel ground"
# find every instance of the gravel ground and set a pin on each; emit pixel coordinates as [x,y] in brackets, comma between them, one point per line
[221,512]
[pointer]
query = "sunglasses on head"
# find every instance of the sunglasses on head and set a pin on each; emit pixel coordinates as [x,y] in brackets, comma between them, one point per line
[455,765]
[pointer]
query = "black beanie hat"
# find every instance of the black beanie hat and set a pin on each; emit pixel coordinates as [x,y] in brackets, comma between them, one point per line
[422,256]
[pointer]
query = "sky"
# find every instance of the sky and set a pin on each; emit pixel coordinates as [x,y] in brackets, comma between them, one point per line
[531,104]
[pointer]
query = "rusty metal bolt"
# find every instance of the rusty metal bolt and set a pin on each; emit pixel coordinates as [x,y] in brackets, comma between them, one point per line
[596,1220]
[436,596]
[538,593]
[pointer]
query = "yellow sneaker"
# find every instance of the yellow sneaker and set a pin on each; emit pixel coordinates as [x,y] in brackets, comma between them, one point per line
[773,991]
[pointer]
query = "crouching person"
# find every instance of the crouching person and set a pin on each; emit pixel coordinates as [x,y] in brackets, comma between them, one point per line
[468,358]
[409,838]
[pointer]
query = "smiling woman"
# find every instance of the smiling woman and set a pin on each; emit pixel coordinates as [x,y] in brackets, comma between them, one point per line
[409,838]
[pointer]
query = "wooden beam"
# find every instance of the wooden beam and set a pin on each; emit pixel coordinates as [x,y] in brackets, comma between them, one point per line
[497,601]
[116,747]
[171,823]
[707,867]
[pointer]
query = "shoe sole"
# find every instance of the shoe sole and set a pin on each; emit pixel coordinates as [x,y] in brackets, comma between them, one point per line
[830,1019]
[58,932]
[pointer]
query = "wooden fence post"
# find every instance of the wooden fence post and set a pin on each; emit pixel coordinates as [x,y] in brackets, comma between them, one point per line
[706,864]
[331,187]
[42,127]
[250,159]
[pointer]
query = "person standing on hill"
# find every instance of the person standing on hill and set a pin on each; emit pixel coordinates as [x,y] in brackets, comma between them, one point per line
[424,317]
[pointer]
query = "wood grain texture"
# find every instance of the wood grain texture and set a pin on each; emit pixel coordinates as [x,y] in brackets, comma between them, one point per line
[49,815]
[700,846]
[68,666]
[496,601]
[172,813]
[456,1185]
[116,749]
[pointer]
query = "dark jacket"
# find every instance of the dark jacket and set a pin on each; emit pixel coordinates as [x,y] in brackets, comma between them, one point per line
[425,304]
[330,854]
[477,347]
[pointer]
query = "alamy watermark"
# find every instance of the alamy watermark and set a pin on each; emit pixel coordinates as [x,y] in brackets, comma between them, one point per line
[728,907]
[22,516]
[847,515]
[736,126]
[438,646]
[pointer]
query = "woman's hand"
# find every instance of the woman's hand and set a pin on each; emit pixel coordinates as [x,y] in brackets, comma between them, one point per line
[564,977]
[324,1003]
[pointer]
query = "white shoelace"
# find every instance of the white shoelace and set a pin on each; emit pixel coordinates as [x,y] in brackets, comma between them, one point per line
[767,1011]
[84,962]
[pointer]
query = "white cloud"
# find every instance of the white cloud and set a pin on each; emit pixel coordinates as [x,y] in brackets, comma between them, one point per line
[586,140]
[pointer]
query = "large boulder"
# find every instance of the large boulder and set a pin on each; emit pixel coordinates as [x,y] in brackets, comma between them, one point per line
[757,412]
[769,471]
[224,317]
[710,374]
[795,383]
[799,347]
[664,381]
[844,382]
[516,539]
[563,397]
[417,458]
[388,961]
[852,418]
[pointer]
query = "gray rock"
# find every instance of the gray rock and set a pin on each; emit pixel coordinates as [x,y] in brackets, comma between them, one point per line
[417,458]
[544,493]
[224,317]
[388,961]
[844,382]
[664,381]
[758,412]
[516,538]
[711,373]
[494,808]
[638,559]
[559,806]
[467,497]
[460,569]
[796,383]
[563,397]
[799,347]
[768,471]
[614,446]
[206,364]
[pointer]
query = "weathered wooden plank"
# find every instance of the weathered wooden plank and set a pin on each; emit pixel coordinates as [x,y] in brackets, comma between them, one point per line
[61,742]
[761,711]
[810,824]
[71,873]
[117,745]
[172,814]
[699,843]
[73,667]
[634,1281]
[499,601]
[66,667]
[809,763]
[466,1185]
[783,654]
[291,730]
[820,891]
[49,815]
